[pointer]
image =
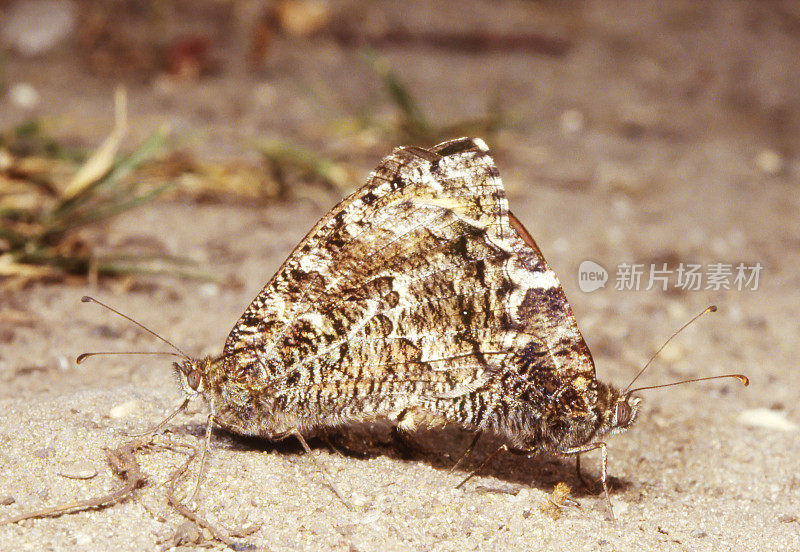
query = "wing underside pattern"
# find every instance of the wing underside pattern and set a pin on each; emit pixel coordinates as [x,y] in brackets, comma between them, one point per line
[416,291]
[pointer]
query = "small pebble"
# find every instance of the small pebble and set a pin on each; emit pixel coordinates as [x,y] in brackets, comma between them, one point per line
[524,496]
[698,534]
[769,161]
[187,533]
[783,518]
[243,546]
[571,121]
[7,500]
[79,470]
[82,539]
[194,407]
[63,363]
[766,418]
[301,17]
[621,508]
[124,410]
[370,518]
[23,95]
[209,290]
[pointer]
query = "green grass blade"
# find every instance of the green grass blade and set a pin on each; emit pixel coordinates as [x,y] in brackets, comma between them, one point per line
[104,212]
[414,118]
[121,168]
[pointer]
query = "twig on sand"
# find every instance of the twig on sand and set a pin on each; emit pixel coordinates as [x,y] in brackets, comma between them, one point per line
[182,508]
[124,464]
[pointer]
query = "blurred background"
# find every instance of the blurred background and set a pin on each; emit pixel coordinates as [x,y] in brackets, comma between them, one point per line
[168,155]
[253,102]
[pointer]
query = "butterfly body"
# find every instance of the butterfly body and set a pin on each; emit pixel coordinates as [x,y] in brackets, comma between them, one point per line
[419,299]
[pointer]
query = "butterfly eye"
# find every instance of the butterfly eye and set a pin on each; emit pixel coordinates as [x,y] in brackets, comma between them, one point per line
[623,414]
[193,379]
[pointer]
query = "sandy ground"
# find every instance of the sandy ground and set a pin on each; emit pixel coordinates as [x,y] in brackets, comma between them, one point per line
[678,108]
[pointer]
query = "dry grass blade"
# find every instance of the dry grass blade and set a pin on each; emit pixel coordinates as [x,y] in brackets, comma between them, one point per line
[101,161]
[552,505]
[11,269]
[110,194]
[230,182]
[291,162]
[40,224]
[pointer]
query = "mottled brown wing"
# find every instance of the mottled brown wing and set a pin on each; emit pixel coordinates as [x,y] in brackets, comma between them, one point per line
[414,291]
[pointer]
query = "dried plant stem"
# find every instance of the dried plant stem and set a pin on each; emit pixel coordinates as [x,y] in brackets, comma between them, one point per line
[183,509]
[124,464]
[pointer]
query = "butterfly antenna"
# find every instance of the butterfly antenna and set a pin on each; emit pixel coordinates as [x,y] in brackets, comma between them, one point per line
[741,377]
[712,308]
[87,299]
[84,356]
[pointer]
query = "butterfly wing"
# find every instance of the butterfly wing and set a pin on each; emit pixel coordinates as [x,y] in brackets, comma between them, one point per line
[418,290]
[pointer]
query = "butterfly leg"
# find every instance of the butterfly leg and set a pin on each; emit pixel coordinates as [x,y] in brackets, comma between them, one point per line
[603,469]
[585,482]
[483,465]
[153,430]
[204,458]
[294,432]
[469,450]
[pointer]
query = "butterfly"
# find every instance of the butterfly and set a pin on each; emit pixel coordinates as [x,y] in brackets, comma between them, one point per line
[419,299]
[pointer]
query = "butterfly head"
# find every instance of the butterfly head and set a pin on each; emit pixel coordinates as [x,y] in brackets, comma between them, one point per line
[191,375]
[615,410]
[626,408]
